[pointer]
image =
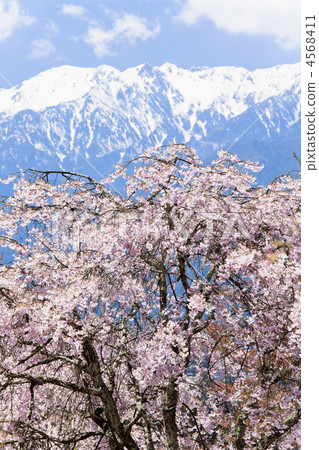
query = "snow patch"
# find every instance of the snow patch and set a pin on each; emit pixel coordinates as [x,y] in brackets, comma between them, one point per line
[225,90]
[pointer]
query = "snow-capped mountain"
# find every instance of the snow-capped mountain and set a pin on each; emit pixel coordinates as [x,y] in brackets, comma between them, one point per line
[86,119]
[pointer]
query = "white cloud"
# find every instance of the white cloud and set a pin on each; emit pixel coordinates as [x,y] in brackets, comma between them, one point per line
[11,18]
[51,28]
[279,19]
[73,10]
[127,28]
[41,48]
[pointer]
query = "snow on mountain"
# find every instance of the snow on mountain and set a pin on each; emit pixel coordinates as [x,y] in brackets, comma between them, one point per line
[226,87]
[49,88]
[105,114]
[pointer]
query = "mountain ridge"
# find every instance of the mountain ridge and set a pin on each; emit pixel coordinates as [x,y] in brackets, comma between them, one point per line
[109,115]
[91,75]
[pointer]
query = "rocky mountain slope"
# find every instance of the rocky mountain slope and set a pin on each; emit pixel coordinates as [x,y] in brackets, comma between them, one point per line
[87,119]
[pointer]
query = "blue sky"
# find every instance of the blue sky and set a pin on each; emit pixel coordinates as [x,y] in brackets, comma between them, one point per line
[36,35]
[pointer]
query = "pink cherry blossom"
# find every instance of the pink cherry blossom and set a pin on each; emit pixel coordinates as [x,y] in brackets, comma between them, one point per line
[166,319]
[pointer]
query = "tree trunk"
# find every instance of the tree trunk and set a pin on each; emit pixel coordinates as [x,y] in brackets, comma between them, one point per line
[169,415]
[110,408]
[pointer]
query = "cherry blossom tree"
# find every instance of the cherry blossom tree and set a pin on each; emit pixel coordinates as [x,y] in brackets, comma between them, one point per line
[165,319]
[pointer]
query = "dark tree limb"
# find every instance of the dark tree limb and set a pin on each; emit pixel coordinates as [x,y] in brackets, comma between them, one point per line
[240,432]
[41,380]
[169,414]
[109,404]
[197,427]
[276,435]
[48,438]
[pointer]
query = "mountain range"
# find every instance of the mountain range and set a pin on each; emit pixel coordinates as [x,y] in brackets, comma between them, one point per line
[87,119]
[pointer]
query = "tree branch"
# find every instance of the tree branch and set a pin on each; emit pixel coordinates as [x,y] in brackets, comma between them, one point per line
[41,380]
[169,414]
[289,423]
[109,404]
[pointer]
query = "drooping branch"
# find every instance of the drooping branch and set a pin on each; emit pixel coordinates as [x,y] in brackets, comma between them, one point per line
[49,438]
[41,380]
[197,427]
